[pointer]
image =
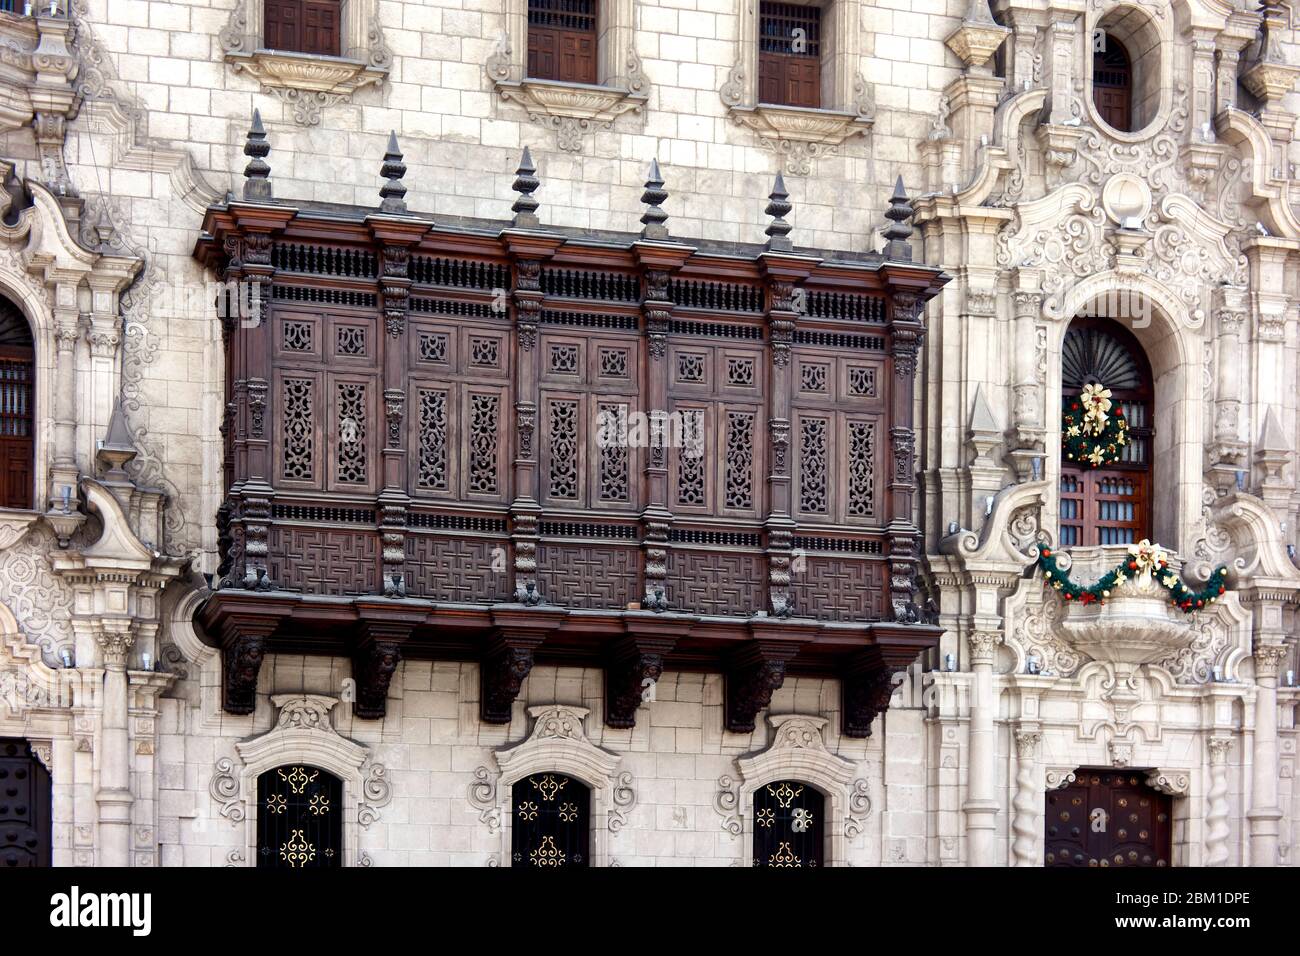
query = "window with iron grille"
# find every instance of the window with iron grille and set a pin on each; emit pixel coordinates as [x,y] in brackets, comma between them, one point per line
[550,823]
[562,40]
[788,825]
[1112,84]
[1111,504]
[303,26]
[789,54]
[17,382]
[299,818]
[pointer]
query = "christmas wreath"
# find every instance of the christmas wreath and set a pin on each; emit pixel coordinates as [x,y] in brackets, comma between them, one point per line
[1146,561]
[1093,430]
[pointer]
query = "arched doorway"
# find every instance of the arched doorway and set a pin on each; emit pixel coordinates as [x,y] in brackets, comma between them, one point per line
[17,391]
[1108,818]
[1106,500]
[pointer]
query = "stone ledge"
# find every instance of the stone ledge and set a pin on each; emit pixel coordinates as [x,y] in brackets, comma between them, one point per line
[570,109]
[799,133]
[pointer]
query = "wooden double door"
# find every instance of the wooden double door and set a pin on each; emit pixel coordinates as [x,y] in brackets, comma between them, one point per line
[24,806]
[1108,817]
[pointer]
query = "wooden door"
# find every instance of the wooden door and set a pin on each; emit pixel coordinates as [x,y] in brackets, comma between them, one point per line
[789,54]
[24,806]
[1108,818]
[562,40]
[16,443]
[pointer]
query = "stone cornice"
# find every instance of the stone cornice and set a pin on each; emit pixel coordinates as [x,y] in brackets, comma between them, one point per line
[571,109]
[798,133]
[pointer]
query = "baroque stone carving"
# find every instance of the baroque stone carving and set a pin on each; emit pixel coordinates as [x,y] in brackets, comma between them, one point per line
[376,793]
[224,787]
[483,798]
[727,802]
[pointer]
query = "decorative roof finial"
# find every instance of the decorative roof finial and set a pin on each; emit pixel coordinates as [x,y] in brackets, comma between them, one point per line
[899,229]
[257,185]
[117,448]
[654,217]
[526,183]
[393,192]
[778,230]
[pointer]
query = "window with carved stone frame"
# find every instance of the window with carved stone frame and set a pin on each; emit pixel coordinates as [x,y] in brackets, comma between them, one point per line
[607,84]
[817,120]
[310,54]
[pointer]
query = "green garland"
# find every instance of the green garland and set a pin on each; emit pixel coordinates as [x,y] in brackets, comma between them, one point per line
[1082,443]
[1181,596]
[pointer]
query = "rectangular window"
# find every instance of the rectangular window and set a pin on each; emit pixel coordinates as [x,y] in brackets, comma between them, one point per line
[303,26]
[562,40]
[789,54]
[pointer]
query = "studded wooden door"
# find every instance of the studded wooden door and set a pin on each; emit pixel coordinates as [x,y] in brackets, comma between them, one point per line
[1108,818]
[551,822]
[24,806]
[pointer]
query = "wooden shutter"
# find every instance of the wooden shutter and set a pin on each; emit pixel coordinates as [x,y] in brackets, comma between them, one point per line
[1112,84]
[283,24]
[562,40]
[320,32]
[789,54]
[303,26]
[17,450]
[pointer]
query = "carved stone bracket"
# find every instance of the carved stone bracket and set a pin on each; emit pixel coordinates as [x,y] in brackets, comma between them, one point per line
[866,687]
[1175,783]
[754,673]
[798,134]
[374,662]
[242,651]
[571,109]
[508,659]
[634,667]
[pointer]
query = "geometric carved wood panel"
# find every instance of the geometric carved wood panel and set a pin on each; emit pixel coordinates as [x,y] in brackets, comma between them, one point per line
[587,576]
[457,570]
[713,582]
[839,589]
[324,562]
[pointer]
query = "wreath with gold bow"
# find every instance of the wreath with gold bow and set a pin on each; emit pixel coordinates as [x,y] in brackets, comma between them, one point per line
[1094,430]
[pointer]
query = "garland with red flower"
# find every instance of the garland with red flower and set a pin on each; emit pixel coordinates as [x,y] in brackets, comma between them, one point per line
[1146,560]
[1093,430]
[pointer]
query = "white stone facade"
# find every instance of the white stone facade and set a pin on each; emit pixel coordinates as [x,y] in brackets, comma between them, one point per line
[1037,210]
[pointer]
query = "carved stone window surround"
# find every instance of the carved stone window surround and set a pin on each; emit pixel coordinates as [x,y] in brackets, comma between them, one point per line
[572,109]
[303,734]
[798,752]
[801,134]
[558,743]
[309,82]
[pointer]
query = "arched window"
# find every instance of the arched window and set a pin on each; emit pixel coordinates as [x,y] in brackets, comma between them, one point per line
[299,818]
[1110,504]
[303,26]
[1112,83]
[17,380]
[562,40]
[550,822]
[789,54]
[24,806]
[788,825]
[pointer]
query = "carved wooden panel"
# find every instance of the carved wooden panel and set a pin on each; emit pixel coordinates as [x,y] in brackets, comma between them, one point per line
[299,441]
[324,561]
[839,589]
[716,582]
[588,576]
[457,568]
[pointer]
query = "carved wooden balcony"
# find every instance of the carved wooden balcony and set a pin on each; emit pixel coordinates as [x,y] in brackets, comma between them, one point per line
[415,464]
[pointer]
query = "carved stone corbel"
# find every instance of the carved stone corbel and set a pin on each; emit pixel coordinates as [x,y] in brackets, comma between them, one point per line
[243,647]
[866,686]
[374,661]
[508,659]
[751,677]
[635,665]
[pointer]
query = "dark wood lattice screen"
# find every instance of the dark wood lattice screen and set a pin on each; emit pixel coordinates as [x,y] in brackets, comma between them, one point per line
[17,373]
[789,54]
[24,806]
[562,40]
[303,26]
[1107,819]
[1112,84]
[299,818]
[788,830]
[1110,505]
[551,822]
